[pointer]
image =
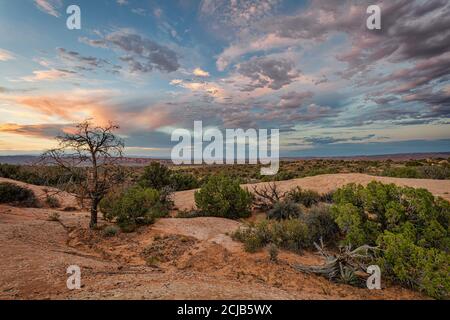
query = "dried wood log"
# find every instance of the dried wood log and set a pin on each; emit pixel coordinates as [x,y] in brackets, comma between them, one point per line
[345,266]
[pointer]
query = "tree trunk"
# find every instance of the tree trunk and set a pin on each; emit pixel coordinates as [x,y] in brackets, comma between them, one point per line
[94,205]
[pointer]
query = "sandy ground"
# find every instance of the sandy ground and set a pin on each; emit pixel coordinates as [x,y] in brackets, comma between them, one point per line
[196,259]
[328,182]
[65,199]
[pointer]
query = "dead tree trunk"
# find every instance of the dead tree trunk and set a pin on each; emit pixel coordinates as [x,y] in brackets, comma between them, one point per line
[346,266]
[94,213]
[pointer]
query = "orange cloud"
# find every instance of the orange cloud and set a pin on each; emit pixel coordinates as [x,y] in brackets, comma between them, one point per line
[6,55]
[78,105]
[37,130]
[49,75]
[200,73]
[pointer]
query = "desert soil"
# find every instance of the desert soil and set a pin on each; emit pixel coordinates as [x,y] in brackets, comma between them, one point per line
[172,259]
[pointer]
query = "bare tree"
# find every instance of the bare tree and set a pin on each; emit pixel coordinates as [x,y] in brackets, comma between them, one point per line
[90,155]
[267,195]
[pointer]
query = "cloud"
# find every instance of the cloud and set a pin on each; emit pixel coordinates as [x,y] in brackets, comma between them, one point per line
[85,63]
[225,15]
[388,66]
[100,105]
[311,113]
[209,88]
[6,55]
[63,105]
[122,2]
[263,43]
[36,130]
[158,12]
[266,72]
[372,148]
[294,100]
[200,73]
[49,6]
[141,54]
[139,11]
[135,139]
[405,23]
[418,75]
[12,90]
[49,75]
[323,140]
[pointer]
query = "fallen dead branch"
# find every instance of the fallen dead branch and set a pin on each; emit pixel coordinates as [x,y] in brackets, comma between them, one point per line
[347,266]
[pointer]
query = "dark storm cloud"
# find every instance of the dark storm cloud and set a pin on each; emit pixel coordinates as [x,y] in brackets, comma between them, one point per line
[420,74]
[267,72]
[141,54]
[413,31]
[439,100]
[410,29]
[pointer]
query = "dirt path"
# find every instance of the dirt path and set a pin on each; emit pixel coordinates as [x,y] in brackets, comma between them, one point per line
[184,200]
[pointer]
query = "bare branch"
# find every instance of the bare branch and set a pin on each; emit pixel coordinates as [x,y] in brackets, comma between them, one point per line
[267,195]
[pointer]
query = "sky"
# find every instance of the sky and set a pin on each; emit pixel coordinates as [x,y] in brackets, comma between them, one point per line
[311,69]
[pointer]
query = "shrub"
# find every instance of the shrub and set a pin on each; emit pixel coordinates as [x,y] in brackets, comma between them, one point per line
[252,242]
[159,176]
[288,234]
[427,270]
[327,197]
[434,172]
[284,210]
[17,195]
[273,253]
[38,175]
[108,205]
[352,224]
[180,181]
[402,172]
[189,214]
[136,206]
[254,237]
[419,172]
[110,231]
[364,213]
[52,201]
[223,197]
[165,197]
[304,197]
[321,224]
[349,194]
[53,216]
[410,225]
[156,176]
